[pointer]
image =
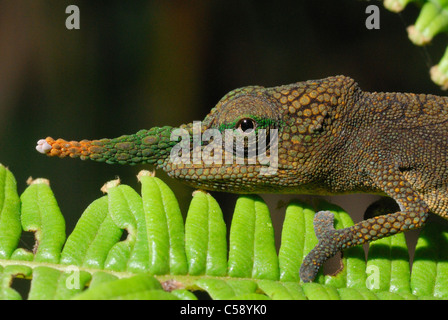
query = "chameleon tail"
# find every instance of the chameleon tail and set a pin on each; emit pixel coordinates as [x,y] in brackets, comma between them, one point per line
[151,146]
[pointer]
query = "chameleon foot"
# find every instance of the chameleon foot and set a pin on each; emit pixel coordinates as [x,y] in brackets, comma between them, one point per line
[329,244]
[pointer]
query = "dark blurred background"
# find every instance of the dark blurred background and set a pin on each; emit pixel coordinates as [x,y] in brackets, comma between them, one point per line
[138,64]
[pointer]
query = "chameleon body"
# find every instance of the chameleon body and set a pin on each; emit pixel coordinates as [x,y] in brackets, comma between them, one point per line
[332,138]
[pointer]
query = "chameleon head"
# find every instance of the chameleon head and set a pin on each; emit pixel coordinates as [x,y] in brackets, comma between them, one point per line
[255,139]
[234,148]
[219,153]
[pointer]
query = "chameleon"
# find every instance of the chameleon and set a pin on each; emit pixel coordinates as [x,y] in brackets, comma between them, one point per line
[331,137]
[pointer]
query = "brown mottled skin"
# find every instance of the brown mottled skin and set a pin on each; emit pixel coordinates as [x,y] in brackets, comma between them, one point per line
[333,138]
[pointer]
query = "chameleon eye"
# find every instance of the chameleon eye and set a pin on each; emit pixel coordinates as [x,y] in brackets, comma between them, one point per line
[246,125]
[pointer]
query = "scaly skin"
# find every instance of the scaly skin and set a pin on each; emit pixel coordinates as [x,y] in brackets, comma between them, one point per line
[333,138]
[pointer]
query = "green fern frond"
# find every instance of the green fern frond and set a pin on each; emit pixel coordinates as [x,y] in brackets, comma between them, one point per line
[164,258]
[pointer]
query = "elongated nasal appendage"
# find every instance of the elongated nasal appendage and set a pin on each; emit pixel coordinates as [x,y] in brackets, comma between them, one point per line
[146,146]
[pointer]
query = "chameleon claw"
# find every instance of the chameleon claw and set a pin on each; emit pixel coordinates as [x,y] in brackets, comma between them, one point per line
[327,246]
[43,146]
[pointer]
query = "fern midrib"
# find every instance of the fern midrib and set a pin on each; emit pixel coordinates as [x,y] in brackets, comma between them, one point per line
[62,267]
[187,281]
